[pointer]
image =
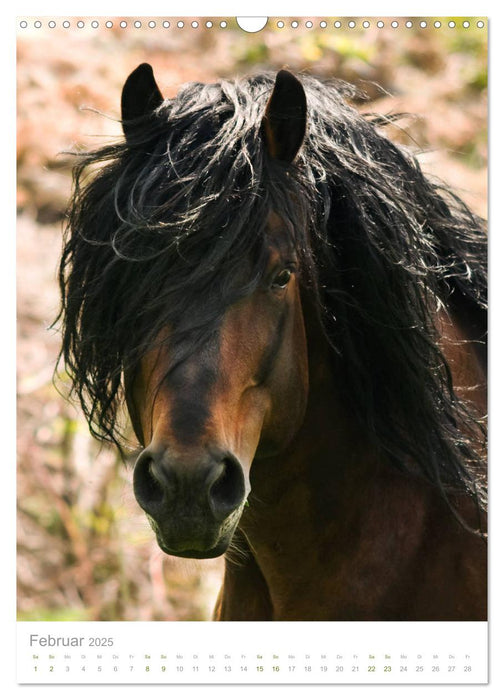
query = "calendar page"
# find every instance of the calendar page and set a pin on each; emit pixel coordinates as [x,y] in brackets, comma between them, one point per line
[251,350]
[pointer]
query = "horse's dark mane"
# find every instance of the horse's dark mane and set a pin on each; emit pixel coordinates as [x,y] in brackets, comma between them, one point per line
[160,227]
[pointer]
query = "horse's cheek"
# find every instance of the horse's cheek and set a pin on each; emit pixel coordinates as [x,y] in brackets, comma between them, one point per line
[291,377]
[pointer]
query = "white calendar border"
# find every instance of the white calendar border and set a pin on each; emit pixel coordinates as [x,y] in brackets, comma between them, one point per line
[365,653]
[258,8]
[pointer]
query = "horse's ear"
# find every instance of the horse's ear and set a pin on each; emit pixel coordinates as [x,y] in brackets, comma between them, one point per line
[284,122]
[140,96]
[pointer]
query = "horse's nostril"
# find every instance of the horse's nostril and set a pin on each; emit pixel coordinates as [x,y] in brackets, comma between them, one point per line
[148,490]
[162,486]
[228,490]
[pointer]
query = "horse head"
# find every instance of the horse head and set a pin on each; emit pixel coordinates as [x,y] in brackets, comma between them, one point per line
[204,411]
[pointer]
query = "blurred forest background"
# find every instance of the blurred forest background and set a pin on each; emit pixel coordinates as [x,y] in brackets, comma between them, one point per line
[85,550]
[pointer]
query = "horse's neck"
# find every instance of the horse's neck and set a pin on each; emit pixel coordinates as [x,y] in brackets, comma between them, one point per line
[311,502]
[295,500]
[464,347]
[331,513]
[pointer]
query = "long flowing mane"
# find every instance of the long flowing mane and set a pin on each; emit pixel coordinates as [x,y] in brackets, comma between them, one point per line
[159,228]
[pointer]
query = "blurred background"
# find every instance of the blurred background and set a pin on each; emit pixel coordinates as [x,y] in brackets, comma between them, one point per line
[85,550]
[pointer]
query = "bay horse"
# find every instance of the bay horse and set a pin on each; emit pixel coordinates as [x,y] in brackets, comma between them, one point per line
[294,316]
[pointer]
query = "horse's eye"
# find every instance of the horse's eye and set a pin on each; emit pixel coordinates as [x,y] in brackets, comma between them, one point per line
[282,279]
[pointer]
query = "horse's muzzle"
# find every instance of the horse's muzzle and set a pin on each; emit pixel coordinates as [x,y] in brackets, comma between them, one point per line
[193,502]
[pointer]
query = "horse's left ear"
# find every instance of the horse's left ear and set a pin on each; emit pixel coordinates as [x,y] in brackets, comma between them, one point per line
[140,96]
[284,122]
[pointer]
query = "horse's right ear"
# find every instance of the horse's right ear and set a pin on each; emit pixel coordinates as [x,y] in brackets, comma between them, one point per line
[140,97]
[284,121]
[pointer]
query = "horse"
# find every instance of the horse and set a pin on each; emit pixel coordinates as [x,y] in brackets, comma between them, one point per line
[291,317]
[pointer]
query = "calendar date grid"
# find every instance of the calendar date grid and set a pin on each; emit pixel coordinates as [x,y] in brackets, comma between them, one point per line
[251,664]
[254,653]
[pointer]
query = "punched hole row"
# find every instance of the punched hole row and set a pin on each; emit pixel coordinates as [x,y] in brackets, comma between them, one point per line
[280,24]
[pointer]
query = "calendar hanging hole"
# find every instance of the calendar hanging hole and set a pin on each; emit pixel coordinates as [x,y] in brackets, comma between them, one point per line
[252,24]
